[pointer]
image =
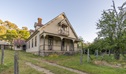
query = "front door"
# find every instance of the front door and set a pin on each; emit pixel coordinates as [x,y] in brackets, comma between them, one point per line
[63,45]
[50,43]
[71,45]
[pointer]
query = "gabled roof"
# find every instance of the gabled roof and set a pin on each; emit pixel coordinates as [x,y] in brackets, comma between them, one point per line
[48,23]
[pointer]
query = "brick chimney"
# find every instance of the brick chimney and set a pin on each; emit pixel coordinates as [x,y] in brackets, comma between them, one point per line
[39,20]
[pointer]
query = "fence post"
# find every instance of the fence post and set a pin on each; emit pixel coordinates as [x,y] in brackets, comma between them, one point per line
[16,67]
[109,52]
[81,56]
[2,55]
[88,56]
[97,53]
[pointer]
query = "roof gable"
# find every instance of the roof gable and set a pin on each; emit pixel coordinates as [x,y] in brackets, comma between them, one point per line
[62,18]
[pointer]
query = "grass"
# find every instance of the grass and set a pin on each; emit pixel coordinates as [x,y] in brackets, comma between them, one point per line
[111,60]
[68,61]
[8,67]
[24,57]
[37,60]
[74,62]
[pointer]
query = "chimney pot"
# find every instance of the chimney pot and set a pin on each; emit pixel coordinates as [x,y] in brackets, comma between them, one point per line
[39,20]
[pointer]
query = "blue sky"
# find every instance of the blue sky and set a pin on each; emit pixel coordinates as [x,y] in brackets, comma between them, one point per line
[82,14]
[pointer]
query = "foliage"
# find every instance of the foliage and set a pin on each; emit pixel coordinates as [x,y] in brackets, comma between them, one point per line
[100,44]
[24,28]
[112,26]
[2,30]
[23,34]
[10,31]
[53,55]
[82,44]
[10,25]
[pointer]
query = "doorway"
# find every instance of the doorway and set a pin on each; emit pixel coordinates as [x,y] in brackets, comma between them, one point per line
[71,46]
[50,43]
[62,45]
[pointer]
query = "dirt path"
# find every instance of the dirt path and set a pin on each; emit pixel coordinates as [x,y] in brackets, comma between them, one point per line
[70,69]
[52,64]
[38,68]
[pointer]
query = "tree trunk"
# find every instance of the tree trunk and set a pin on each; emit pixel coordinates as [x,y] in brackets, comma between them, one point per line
[117,54]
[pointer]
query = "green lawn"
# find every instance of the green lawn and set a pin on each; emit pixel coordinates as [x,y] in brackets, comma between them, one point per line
[68,61]
[74,62]
[7,68]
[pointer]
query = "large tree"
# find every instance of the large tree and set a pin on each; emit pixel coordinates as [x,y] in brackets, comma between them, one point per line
[2,30]
[11,35]
[10,31]
[23,34]
[10,25]
[112,26]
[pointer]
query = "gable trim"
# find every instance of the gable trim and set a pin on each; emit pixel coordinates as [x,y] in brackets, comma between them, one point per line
[70,25]
[66,19]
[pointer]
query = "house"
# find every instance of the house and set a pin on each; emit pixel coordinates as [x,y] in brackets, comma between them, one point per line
[5,44]
[57,35]
[19,44]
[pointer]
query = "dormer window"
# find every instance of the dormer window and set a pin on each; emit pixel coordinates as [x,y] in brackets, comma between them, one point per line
[63,29]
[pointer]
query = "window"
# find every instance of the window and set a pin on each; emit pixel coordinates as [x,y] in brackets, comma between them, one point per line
[32,42]
[36,41]
[63,27]
[50,43]
[18,46]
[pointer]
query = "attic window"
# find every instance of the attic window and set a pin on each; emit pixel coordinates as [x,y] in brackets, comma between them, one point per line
[64,27]
[63,24]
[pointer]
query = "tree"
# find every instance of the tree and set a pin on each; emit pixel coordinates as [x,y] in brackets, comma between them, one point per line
[23,34]
[10,31]
[11,35]
[112,27]
[1,21]
[2,30]
[80,44]
[11,25]
[24,28]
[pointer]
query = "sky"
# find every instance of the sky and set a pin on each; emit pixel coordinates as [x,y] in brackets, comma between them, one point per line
[82,14]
